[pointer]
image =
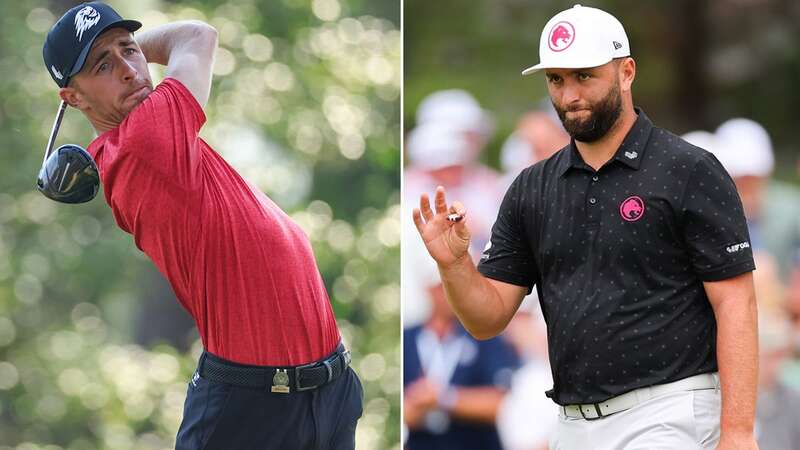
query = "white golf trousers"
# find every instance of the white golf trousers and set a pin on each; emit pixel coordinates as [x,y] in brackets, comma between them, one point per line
[685,420]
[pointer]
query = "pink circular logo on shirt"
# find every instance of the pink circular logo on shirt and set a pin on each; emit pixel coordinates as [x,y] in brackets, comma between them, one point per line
[561,36]
[632,209]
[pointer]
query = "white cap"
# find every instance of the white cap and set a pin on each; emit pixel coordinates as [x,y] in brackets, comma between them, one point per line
[580,37]
[434,146]
[703,139]
[455,108]
[744,148]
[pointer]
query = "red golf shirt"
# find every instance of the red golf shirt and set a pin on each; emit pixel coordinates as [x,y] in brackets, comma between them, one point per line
[235,260]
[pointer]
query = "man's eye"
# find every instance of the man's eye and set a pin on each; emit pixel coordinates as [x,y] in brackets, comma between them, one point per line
[102,67]
[583,76]
[130,51]
[555,78]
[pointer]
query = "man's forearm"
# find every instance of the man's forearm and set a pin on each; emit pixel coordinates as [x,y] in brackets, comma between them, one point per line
[158,43]
[737,358]
[187,49]
[476,302]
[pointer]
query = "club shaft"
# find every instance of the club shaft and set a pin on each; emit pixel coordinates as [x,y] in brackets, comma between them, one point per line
[54,131]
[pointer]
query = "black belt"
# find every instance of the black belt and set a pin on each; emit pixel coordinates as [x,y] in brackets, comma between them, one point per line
[278,379]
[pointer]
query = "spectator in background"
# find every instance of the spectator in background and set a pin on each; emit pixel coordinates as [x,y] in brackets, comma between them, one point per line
[768,286]
[703,139]
[773,217]
[538,135]
[772,208]
[527,418]
[439,155]
[457,109]
[453,384]
[776,414]
[444,149]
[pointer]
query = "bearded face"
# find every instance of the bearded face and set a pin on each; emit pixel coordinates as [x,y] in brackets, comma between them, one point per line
[599,116]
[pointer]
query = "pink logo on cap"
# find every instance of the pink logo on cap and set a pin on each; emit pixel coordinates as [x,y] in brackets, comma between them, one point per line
[561,36]
[632,209]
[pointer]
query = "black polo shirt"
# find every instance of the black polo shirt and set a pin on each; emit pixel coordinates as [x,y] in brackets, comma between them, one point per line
[619,256]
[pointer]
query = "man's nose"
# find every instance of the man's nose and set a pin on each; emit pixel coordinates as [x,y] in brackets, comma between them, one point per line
[571,93]
[128,70]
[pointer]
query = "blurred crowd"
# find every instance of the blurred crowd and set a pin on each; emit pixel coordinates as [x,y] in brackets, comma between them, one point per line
[460,393]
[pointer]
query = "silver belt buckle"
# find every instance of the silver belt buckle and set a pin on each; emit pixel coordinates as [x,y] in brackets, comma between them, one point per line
[280,382]
[596,408]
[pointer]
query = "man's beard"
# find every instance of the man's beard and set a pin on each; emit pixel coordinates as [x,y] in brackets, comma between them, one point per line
[602,117]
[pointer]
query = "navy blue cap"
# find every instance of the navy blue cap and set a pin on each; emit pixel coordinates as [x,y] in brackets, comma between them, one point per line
[69,41]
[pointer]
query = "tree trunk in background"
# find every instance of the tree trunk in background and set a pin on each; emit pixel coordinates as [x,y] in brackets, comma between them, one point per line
[691,54]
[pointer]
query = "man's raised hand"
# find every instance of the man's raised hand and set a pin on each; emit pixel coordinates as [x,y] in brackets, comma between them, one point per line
[446,238]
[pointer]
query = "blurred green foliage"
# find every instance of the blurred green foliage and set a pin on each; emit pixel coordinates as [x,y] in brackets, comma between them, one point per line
[305,103]
[699,62]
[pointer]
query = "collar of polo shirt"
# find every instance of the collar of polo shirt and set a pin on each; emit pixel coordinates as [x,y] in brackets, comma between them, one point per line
[629,153]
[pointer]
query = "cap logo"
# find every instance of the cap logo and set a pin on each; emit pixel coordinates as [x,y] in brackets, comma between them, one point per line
[617,45]
[56,73]
[632,209]
[85,18]
[561,36]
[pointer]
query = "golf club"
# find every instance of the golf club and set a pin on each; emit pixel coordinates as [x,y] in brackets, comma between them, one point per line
[68,175]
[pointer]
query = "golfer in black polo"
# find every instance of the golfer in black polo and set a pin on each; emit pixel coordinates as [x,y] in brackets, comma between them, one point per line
[638,248]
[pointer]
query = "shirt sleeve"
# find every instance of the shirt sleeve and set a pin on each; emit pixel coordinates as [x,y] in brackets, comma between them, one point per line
[163,133]
[508,256]
[713,223]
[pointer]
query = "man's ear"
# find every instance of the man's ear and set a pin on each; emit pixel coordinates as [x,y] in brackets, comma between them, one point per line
[627,73]
[73,98]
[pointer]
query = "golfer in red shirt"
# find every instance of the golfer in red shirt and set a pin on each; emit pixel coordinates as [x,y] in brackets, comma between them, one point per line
[274,373]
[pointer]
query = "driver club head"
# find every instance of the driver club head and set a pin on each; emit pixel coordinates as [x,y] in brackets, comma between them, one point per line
[69,175]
